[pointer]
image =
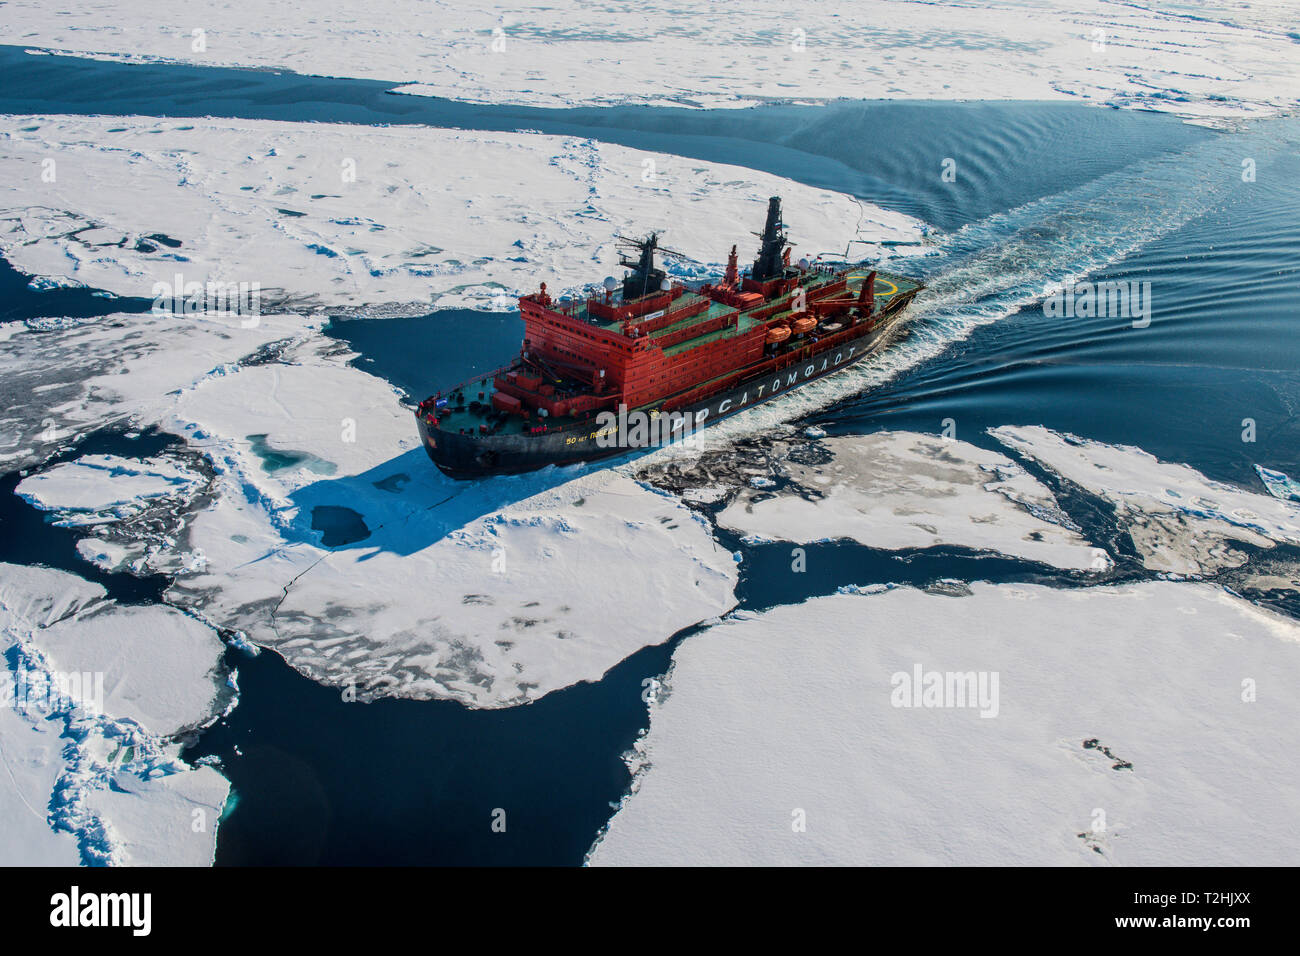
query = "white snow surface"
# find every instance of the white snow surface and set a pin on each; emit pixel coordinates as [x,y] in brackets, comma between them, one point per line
[896,490]
[767,714]
[29,749]
[159,664]
[57,385]
[164,821]
[1180,521]
[86,490]
[29,771]
[1213,58]
[81,784]
[338,214]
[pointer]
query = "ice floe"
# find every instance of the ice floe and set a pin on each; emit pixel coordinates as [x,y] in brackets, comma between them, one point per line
[489,593]
[1180,521]
[889,490]
[124,369]
[1216,58]
[1279,484]
[160,667]
[96,488]
[317,214]
[1127,725]
[95,698]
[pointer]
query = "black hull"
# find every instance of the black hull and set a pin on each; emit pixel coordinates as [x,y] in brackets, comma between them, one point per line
[477,456]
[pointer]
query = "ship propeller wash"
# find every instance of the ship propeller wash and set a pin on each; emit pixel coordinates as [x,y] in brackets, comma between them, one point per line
[667,358]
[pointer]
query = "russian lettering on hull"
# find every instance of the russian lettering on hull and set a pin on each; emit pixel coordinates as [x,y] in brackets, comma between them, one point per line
[626,430]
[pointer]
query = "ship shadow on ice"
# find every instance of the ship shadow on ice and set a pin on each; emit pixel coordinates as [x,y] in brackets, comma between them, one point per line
[406,504]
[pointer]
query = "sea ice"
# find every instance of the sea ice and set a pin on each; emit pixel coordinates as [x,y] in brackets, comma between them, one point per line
[95,487]
[61,384]
[161,667]
[1147,724]
[163,821]
[93,694]
[1215,59]
[896,490]
[1179,520]
[319,215]
[1279,484]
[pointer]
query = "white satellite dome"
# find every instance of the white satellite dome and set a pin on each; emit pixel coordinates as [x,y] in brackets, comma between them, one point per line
[610,283]
[804,263]
[666,284]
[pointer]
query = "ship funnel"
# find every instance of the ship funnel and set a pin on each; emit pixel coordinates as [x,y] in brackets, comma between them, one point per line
[769,263]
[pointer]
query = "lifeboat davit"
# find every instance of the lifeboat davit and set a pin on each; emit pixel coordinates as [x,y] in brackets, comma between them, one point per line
[804,325]
[777,334]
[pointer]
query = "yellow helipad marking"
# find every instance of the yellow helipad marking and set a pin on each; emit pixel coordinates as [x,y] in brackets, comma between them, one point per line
[876,291]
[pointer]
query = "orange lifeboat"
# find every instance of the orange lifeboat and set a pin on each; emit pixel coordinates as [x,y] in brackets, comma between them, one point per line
[804,324]
[777,334]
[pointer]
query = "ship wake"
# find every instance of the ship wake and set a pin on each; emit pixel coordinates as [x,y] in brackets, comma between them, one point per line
[994,268]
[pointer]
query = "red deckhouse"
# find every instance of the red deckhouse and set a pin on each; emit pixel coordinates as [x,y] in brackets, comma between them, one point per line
[659,339]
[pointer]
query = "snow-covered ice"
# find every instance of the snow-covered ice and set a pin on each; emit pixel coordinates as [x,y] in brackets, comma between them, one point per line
[1148,724]
[1279,484]
[161,667]
[1214,58]
[98,487]
[59,384]
[1179,520]
[323,214]
[896,490]
[29,753]
[163,821]
[94,693]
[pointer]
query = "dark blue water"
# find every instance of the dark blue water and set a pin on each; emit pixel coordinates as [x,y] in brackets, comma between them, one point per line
[28,537]
[319,780]
[421,354]
[1044,193]
[1223,346]
[338,525]
[18,300]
